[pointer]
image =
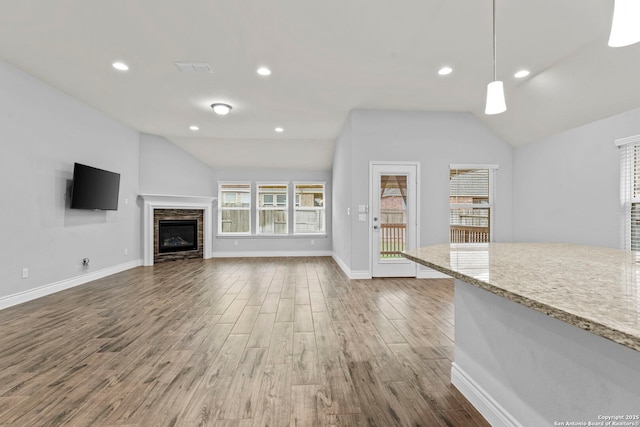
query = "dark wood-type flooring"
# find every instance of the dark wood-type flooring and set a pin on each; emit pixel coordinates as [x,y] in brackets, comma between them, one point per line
[233,342]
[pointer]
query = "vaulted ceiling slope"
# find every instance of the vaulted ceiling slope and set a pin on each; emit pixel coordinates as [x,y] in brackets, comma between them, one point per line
[327,57]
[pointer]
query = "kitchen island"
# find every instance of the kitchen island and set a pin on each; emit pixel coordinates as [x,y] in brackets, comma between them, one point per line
[545,334]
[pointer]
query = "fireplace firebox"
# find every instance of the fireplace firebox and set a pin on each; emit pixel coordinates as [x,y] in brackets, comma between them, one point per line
[177,235]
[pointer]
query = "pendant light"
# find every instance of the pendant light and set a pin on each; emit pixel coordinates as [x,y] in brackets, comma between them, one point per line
[495,89]
[625,27]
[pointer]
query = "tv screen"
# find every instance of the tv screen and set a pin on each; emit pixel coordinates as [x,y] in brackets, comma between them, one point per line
[94,188]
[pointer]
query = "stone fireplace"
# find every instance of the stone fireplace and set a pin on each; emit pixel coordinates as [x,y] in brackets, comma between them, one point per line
[176,227]
[177,234]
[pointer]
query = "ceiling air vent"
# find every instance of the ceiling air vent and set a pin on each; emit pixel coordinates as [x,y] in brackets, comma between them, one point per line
[193,67]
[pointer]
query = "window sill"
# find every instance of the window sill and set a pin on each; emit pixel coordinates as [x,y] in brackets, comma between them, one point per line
[270,236]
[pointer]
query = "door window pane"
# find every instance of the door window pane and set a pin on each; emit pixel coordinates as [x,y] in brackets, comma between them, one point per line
[393,215]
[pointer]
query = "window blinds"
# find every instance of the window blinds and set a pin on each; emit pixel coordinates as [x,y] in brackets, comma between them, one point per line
[630,191]
[469,186]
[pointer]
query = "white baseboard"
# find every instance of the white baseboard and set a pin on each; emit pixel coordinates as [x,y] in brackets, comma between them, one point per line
[424,273]
[481,400]
[263,254]
[359,274]
[351,274]
[52,288]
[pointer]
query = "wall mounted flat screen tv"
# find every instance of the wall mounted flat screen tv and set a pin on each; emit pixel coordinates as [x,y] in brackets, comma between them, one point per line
[94,188]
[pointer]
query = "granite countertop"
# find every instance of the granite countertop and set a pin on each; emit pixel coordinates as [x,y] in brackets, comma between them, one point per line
[596,289]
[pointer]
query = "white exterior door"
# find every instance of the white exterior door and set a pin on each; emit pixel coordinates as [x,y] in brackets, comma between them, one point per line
[393,217]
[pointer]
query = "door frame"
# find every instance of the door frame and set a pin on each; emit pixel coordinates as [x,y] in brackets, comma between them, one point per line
[373,163]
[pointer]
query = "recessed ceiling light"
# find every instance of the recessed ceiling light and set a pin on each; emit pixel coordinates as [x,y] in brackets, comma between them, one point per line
[522,73]
[445,71]
[120,66]
[279,129]
[194,127]
[221,109]
[264,71]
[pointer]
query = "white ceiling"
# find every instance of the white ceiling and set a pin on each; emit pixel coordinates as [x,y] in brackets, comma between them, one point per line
[328,57]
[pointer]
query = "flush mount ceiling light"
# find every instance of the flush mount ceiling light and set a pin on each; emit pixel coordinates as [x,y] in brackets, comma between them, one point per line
[194,128]
[521,74]
[495,89]
[120,66]
[263,71]
[279,129]
[445,71]
[625,27]
[221,109]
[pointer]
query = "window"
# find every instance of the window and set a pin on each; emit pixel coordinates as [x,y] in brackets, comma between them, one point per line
[234,208]
[274,200]
[309,211]
[471,203]
[264,208]
[272,212]
[630,191]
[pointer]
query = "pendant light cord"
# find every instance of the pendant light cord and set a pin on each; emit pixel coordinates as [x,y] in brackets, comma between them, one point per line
[495,78]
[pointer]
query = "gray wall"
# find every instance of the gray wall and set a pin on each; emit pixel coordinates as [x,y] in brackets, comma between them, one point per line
[342,212]
[436,139]
[42,133]
[567,186]
[281,245]
[165,168]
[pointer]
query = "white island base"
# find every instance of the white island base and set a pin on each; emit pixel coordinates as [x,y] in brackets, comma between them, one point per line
[518,366]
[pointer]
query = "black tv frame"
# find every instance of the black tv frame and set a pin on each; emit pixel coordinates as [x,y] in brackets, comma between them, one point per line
[94,189]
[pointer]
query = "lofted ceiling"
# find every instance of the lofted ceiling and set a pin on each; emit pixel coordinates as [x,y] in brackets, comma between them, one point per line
[327,57]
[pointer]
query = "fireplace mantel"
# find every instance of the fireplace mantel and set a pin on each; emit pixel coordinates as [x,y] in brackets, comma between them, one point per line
[164,201]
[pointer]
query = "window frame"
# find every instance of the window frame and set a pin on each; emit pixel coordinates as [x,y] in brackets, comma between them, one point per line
[322,208]
[274,207]
[491,168]
[222,208]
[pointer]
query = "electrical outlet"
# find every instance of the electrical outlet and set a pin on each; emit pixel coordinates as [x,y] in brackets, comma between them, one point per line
[25,273]
[126,251]
[313,242]
[235,242]
[85,262]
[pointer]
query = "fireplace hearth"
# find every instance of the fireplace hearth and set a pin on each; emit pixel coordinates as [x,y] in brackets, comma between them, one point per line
[177,235]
